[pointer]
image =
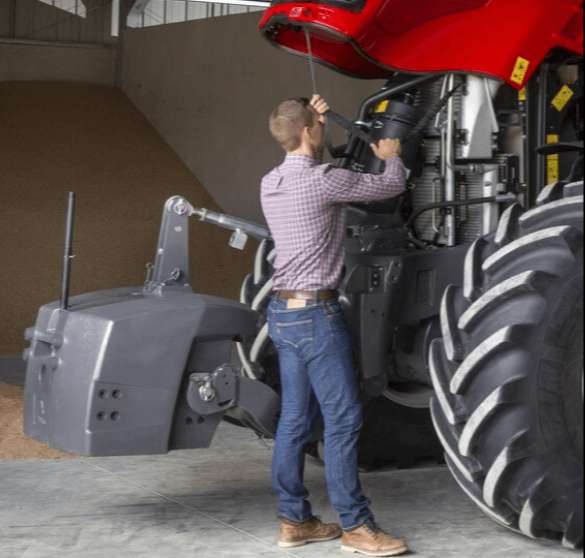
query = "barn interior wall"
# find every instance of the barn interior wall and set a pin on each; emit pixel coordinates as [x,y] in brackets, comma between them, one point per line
[51,62]
[42,42]
[34,20]
[208,87]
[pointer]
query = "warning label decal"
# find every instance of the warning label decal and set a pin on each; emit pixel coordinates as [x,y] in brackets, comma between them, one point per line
[520,70]
[562,97]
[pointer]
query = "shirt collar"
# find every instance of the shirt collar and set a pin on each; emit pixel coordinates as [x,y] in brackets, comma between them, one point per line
[296,162]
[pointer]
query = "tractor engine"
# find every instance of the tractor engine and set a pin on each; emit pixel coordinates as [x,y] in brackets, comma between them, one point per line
[456,147]
[463,163]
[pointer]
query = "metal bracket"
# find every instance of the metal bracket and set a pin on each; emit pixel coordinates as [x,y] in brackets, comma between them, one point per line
[238,239]
[171,264]
[213,393]
[225,389]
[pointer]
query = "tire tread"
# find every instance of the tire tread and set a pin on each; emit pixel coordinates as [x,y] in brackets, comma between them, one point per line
[500,270]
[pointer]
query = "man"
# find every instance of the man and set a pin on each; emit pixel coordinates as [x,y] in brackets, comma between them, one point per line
[302,201]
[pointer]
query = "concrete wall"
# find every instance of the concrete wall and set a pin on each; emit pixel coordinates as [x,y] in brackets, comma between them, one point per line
[26,61]
[41,42]
[208,87]
[34,20]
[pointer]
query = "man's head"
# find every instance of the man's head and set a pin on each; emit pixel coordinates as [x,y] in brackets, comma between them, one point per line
[297,126]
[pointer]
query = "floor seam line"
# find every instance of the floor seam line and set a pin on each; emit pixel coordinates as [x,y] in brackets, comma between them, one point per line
[197,511]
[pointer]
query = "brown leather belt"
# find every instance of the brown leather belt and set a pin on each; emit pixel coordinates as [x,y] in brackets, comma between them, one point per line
[307,295]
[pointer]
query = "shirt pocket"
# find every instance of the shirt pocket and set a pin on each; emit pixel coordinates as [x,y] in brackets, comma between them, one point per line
[295,333]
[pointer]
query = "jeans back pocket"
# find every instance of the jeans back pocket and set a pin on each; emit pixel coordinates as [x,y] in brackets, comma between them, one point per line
[294,332]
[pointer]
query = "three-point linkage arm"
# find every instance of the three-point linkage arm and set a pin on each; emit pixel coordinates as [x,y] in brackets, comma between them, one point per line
[171,264]
[232,223]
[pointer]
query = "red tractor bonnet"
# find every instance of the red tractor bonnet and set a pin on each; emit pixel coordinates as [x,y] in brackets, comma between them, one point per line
[506,39]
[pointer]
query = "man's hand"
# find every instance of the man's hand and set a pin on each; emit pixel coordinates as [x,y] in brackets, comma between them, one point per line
[386,148]
[321,107]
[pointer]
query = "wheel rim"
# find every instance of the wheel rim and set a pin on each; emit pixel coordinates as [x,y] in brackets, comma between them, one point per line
[415,396]
[410,383]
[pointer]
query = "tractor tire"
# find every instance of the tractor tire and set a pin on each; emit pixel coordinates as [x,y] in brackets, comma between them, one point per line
[392,434]
[508,370]
[258,357]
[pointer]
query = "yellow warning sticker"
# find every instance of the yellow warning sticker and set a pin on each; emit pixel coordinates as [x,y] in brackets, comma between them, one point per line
[382,106]
[552,161]
[522,95]
[520,70]
[562,97]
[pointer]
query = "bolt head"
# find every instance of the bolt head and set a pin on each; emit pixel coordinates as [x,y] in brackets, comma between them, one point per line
[180,208]
[206,392]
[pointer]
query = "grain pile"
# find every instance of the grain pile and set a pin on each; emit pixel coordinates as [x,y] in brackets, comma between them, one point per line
[56,137]
[13,443]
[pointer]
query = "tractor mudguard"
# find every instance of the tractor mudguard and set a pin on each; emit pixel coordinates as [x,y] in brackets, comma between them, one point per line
[105,376]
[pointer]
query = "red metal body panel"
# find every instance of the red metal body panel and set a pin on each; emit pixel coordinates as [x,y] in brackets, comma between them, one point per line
[506,39]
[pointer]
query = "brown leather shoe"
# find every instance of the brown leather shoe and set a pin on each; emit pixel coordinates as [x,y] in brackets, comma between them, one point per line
[372,541]
[313,530]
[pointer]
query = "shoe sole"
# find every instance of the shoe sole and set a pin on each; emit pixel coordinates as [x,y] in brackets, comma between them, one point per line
[395,552]
[283,544]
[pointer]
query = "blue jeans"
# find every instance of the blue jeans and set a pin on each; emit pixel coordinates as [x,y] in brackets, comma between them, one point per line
[316,371]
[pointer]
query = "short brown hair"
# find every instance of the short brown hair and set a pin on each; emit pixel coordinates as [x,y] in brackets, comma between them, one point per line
[288,120]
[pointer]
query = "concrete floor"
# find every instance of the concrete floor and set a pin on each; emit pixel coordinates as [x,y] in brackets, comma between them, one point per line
[217,503]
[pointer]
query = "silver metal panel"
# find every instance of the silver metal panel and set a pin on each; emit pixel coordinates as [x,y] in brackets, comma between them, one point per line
[478,119]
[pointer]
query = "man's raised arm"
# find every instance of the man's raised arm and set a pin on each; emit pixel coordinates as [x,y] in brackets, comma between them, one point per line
[342,185]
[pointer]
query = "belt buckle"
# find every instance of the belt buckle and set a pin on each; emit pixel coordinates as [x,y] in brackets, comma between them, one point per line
[292,303]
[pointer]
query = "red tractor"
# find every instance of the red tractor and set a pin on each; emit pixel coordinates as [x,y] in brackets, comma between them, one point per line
[479,266]
[464,295]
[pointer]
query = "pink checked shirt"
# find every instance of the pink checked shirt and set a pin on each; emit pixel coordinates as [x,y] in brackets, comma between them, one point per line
[302,202]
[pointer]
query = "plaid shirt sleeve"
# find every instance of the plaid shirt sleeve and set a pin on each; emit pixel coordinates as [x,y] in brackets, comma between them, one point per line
[342,185]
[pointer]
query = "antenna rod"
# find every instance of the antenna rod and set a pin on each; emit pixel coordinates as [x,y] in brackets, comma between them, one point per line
[68,254]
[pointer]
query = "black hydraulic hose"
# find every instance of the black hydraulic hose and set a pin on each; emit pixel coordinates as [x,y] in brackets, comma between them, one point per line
[385,93]
[430,114]
[454,203]
[340,120]
[348,125]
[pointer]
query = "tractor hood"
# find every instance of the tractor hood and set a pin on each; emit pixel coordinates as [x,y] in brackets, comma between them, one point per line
[375,38]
